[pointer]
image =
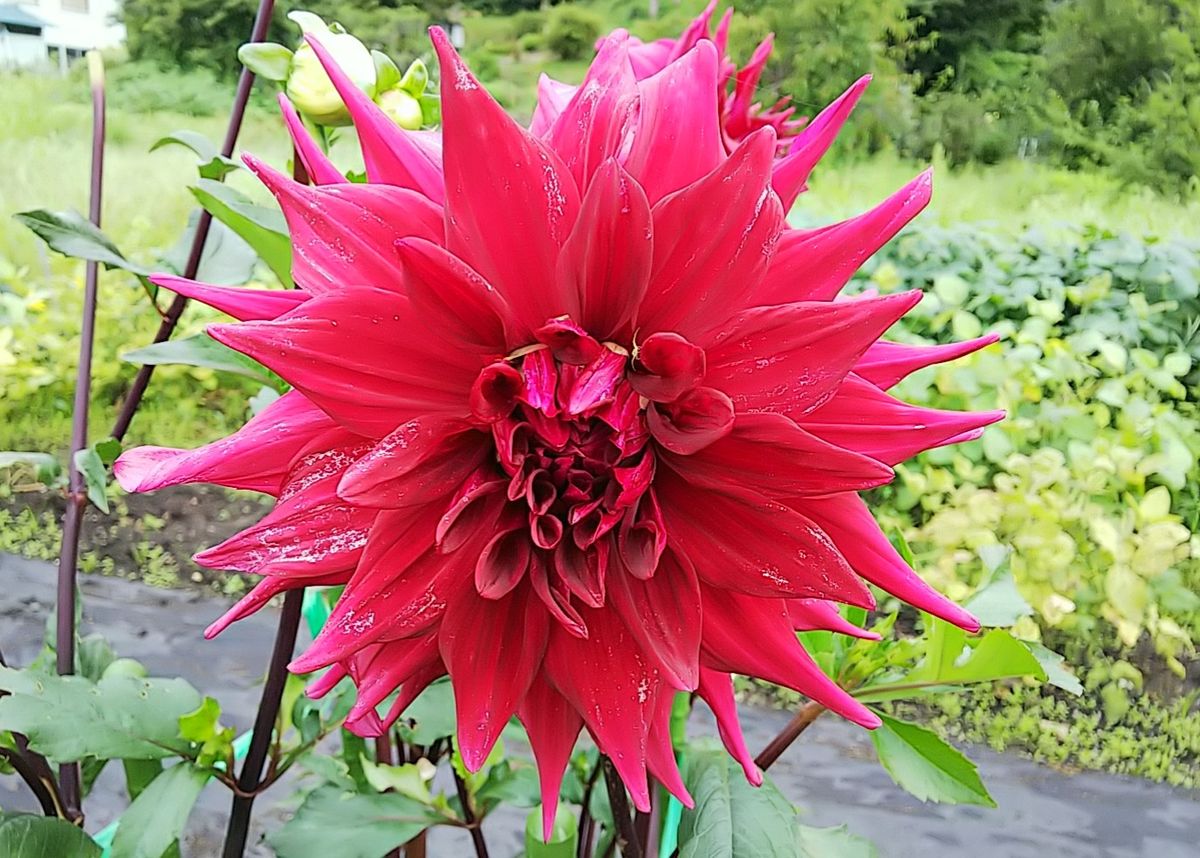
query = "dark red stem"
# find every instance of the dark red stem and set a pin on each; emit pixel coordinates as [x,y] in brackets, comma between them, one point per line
[801,722]
[250,778]
[468,810]
[64,642]
[166,328]
[626,838]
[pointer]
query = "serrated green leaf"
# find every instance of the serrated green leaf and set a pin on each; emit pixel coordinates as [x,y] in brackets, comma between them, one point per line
[351,825]
[733,819]
[834,843]
[999,604]
[925,766]
[1055,667]
[202,350]
[263,229]
[27,836]
[156,819]
[69,718]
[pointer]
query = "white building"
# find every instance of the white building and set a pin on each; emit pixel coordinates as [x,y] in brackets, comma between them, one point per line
[53,32]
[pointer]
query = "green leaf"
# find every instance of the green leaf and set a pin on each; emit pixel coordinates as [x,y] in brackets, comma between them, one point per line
[387,73]
[1054,666]
[211,163]
[28,836]
[263,228]
[71,234]
[732,819]
[139,774]
[351,825]
[834,843]
[999,603]
[203,727]
[511,781]
[95,476]
[202,350]
[155,820]
[268,60]
[68,718]
[227,260]
[108,450]
[927,767]
[430,716]
[407,780]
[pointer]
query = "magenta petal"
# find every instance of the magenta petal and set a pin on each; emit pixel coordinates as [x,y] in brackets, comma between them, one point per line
[713,242]
[772,652]
[510,202]
[756,546]
[242,304]
[862,417]
[496,391]
[568,341]
[318,166]
[393,156]
[256,457]
[326,256]
[884,364]
[663,615]
[678,135]
[791,358]
[769,454]
[595,383]
[553,96]
[814,265]
[660,752]
[492,650]
[700,417]
[596,122]
[793,170]
[608,254]
[553,725]
[819,615]
[669,366]
[613,685]
[853,529]
[716,689]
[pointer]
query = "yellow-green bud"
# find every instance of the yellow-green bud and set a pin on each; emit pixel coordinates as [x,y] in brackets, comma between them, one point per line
[309,86]
[401,108]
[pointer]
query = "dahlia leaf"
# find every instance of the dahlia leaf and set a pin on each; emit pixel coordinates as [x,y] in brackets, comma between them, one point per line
[24,835]
[203,351]
[350,825]
[1052,663]
[263,228]
[227,260]
[430,717]
[999,603]
[927,767]
[69,718]
[834,843]
[95,476]
[157,817]
[733,819]
[71,234]
[211,164]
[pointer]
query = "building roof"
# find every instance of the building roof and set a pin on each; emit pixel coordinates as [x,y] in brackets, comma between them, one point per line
[18,17]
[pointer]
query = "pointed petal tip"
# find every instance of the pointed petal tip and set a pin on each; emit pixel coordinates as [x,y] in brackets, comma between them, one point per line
[868,719]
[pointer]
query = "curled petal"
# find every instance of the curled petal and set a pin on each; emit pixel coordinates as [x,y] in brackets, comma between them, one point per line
[668,367]
[568,341]
[495,392]
[692,422]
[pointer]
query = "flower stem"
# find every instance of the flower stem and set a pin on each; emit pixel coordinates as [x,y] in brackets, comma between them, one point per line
[587,824]
[268,709]
[68,773]
[626,837]
[801,722]
[166,328]
[464,798]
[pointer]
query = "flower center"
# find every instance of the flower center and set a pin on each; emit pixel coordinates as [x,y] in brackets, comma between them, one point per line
[571,442]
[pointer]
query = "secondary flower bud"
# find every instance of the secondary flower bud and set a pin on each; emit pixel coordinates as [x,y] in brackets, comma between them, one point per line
[308,84]
[401,108]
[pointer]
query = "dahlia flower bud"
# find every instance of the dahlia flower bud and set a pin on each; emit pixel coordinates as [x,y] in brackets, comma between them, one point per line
[308,84]
[400,96]
[401,108]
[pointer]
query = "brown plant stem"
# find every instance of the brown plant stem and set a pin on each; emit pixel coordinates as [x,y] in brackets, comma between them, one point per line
[415,848]
[384,757]
[587,823]
[41,788]
[64,639]
[166,328]
[625,837]
[802,720]
[249,779]
[468,810]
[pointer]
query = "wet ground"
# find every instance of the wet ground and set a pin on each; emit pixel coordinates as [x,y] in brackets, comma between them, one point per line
[831,772]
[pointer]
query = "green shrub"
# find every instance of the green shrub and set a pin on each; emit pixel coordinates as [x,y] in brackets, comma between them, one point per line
[485,64]
[530,42]
[571,31]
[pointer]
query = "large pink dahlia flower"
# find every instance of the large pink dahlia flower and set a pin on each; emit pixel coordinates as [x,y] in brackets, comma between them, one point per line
[576,418]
